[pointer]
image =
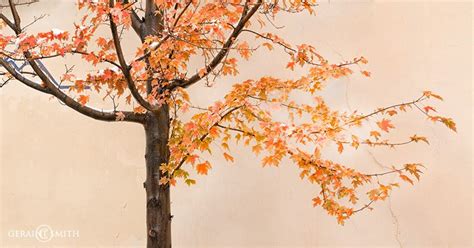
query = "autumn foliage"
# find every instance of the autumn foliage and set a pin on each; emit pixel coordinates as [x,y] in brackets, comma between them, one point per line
[217,34]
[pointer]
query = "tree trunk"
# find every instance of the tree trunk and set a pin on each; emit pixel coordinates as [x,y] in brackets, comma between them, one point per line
[158,215]
[158,212]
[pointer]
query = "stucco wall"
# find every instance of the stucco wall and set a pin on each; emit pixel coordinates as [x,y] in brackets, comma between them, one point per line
[69,172]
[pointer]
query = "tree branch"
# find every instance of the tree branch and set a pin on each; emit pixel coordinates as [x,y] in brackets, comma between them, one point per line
[362,117]
[216,124]
[153,18]
[137,23]
[222,53]
[93,113]
[23,79]
[62,55]
[8,22]
[16,18]
[124,67]
[53,90]
[18,4]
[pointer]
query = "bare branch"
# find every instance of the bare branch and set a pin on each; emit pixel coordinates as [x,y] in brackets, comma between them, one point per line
[35,19]
[8,22]
[28,2]
[16,17]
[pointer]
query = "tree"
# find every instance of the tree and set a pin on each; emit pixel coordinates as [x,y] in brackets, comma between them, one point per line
[176,35]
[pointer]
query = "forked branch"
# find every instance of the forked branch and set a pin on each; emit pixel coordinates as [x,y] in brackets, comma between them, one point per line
[51,89]
[124,66]
[223,52]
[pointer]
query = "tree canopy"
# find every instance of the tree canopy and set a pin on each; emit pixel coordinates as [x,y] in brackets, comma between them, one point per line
[217,35]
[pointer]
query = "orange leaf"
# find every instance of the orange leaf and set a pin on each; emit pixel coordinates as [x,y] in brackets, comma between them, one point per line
[429,94]
[228,157]
[191,159]
[375,134]
[268,46]
[202,72]
[392,112]
[340,147]
[385,125]
[139,109]
[257,148]
[406,179]
[365,73]
[83,99]
[172,181]
[203,168]
[291,65]
[316,201]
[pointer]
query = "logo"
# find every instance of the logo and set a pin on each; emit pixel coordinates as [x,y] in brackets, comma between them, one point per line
[43,233]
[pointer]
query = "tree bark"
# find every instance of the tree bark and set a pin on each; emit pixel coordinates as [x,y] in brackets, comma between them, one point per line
[158,212]
[157,124]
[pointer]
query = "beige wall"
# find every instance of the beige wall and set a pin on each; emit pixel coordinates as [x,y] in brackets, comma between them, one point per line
[69,172]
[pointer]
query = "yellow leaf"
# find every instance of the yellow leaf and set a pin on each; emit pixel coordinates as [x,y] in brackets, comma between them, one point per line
[448,122]
[416,138]
[190,182]
[268,45]
[406,179]
[225,146]
[257,148]
[375,134]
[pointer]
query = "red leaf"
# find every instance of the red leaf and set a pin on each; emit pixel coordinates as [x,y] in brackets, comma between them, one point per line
[428,109]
